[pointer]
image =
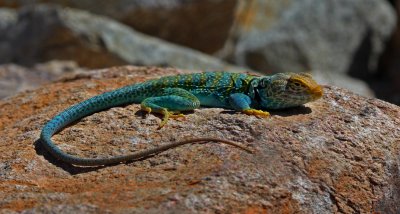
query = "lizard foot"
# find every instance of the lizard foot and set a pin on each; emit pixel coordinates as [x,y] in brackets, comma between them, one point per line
[146,109]
[257,113]
[168,115]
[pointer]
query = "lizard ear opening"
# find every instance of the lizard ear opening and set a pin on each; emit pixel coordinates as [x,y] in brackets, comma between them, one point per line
[253,86]
[263,82]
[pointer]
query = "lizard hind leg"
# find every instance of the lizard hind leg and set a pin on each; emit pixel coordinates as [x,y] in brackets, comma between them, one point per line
[170,102]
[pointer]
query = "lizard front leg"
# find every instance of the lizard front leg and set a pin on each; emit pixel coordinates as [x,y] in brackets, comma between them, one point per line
[242,102]
[170,102]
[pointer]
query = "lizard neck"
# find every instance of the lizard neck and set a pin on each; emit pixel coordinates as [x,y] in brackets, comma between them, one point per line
[252,90]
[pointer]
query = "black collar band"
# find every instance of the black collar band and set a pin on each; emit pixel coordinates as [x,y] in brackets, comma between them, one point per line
[257,96]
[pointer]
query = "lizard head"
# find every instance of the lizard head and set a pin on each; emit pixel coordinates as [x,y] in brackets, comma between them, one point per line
[285,90]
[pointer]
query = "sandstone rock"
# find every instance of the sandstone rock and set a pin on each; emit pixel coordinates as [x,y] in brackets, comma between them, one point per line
[15,78]
[43,33]
[200,24]
[339,154]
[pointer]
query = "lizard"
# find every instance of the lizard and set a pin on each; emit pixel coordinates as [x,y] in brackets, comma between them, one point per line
[171,95]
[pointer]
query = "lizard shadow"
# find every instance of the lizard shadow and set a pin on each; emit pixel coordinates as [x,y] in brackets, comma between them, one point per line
[283,113]
[72,169]
[144,114]
[292,111]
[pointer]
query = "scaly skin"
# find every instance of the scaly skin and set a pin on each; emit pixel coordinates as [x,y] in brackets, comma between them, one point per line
[170,95]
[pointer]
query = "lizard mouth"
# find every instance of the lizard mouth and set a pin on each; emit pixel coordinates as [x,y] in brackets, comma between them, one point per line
[316,92]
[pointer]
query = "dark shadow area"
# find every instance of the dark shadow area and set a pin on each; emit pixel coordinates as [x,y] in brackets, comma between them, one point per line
[384,80]
[283,112]
[291,111]
[144,114]
[73,170]
[359,63]
[228,111]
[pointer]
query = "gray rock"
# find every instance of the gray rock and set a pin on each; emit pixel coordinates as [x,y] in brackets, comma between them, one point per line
[337,36]
[8,18]
[42,33]
[199,24]
[355,85]
[15,78]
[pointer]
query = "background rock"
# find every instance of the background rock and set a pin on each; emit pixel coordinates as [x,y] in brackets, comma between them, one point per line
[339,154]
[91,41]
[386,82]
[341,40]
[334,36]
[8,18]
[203,25]
[355,85]
[15,78]
[338,41]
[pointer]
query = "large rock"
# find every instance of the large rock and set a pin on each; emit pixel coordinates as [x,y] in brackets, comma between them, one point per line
[200,24]
[333,35]
[340,39]
[339,154]
[269,36]
[43,33]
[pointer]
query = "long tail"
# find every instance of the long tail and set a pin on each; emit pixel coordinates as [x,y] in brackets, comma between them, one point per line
[98,103]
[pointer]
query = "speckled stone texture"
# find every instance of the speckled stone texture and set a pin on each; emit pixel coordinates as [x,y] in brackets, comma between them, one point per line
[339,154]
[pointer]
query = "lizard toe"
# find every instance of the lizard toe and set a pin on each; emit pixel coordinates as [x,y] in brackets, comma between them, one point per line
[167,114]
[257,113]
[177,116]
[146,109]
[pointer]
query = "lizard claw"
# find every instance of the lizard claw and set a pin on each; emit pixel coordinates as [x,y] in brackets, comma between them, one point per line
[168,115]
[257,113]
[176,116]
[164,121]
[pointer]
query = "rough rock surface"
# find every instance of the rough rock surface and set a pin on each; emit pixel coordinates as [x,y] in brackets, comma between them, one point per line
[338,154]
[15,78]
[199,24]
[90,40]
